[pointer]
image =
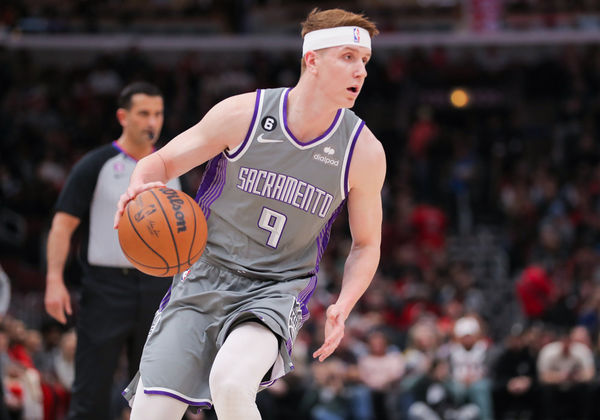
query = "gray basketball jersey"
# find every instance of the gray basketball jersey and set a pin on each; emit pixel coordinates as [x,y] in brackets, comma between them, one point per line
[271,201]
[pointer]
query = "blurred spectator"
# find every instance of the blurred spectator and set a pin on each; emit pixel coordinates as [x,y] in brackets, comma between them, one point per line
[4,301]
[421,350]
[468,356]
[64,360]
[423,344]
[104,80]
[434,399]
[429,225]
[64,375]
[13,385]
[464,288]
[381,370]
[515,378]
[24,379]
[4,293]
[326,399]
[535,291]
[349,351]
[565,370]
[421,135]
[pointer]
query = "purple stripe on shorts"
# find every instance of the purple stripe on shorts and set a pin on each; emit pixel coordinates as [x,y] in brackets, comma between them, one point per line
[285,102]
[177,397]
[165,300]
[305,295]
[268,383]
[241,146]
[352,144]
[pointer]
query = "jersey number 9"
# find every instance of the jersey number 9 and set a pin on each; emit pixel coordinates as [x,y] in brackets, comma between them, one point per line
[274,223]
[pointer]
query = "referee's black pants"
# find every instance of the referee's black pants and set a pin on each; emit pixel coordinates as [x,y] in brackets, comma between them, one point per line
[115,313]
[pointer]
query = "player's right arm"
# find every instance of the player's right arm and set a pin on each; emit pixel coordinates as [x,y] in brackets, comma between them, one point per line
[57,299]
[223,127]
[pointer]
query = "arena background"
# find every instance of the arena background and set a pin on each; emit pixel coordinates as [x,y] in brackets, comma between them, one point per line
[488,113]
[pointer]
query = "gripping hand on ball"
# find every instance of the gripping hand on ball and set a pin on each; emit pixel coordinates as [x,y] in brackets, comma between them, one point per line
[129,195]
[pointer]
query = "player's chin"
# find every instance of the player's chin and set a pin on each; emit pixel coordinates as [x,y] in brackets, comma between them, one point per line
[349,103]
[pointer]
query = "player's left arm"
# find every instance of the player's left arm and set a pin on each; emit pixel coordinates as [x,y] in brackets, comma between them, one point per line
[367,173]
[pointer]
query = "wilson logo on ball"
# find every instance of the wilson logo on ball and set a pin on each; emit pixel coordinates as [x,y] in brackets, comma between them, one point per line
[176,203]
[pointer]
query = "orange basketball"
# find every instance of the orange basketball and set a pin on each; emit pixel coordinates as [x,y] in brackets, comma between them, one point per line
[162,231]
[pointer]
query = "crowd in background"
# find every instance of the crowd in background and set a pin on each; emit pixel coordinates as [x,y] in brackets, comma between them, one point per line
[521,162]
[276,16]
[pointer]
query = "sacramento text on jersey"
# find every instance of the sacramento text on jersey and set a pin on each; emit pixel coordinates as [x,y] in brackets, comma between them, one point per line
[285,189]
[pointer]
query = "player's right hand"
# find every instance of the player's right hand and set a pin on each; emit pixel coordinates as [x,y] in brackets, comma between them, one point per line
[57,301]
[129,195]
[334,332]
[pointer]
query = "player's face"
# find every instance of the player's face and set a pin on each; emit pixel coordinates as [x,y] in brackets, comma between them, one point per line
[344,72]
[144,119]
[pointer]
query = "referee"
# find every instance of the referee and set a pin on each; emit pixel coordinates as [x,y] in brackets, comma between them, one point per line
[117,302]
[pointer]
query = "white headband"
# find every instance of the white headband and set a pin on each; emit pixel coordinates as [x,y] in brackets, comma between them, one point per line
[334,37]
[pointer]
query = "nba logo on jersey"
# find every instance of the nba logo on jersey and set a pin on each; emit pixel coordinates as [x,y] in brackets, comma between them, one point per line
[356,35]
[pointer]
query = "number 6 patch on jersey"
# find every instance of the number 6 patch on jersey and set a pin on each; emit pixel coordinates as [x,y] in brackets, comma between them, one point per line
[269,123]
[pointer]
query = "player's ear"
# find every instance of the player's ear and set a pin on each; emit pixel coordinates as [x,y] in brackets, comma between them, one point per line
[310,59]
[122,116]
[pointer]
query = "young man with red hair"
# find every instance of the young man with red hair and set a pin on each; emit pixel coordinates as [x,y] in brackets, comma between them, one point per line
[281,165]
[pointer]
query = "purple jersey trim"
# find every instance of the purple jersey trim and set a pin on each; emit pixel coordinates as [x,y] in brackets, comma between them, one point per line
[241,146]
[177,397]
[212,183]
[322,241]
[323,238]
[352,144]
[289,132]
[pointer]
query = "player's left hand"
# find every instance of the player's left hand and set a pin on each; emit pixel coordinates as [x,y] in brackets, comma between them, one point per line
[129,195]
[334,331]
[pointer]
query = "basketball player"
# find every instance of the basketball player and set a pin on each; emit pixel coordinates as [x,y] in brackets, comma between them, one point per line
[118,302]
[282,163]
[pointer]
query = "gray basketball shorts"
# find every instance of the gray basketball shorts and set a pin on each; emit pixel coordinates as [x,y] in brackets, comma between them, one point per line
[193,320]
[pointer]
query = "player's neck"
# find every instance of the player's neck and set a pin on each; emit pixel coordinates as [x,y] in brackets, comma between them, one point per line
[309,115]
[136,151]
